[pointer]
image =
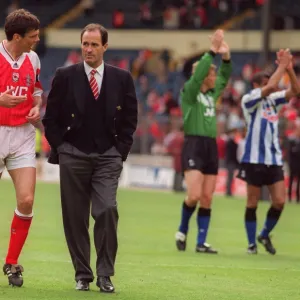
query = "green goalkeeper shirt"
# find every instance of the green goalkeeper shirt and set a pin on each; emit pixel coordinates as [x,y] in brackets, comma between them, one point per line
[199,109]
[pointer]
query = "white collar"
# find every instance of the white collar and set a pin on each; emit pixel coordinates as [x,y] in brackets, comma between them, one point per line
[88,69]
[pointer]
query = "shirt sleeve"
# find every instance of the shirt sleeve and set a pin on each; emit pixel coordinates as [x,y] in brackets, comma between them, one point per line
[38,89]
[250,101]
[222,78]
[279,98]
[192,87]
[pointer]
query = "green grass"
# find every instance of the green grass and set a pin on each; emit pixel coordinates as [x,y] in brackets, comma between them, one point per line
[148,265]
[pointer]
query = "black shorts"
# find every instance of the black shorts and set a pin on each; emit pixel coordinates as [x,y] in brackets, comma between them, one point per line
[259,174]
[200,153]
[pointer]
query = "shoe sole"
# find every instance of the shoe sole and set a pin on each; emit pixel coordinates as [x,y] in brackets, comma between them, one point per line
[270,252]
[83,290]
[179,246]
[103,291]
[13,284]
[107,292]
[204,252]
[251,253]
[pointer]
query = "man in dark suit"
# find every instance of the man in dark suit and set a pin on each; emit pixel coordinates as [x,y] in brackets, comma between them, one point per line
[90,120]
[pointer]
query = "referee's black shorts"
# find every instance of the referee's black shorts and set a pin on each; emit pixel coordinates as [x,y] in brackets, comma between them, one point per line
[260,174]
[200,153]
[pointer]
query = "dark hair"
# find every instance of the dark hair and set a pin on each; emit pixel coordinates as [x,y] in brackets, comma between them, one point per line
[93,27]
[258,77]
[20,22]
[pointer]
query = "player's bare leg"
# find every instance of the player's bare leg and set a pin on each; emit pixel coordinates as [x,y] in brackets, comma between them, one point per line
[278,196]
[253,196]
[24,180]
[204,212]
[194,181]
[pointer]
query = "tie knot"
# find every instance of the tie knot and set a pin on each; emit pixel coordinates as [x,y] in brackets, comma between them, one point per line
[93,72]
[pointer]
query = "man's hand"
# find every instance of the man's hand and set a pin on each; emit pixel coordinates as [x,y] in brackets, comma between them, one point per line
[34,115]
[225,51]
[284,58]
[7,100]
[216,40]
[290,66]
[224,48]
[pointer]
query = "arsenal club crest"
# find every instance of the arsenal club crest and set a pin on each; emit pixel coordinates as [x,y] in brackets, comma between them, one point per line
[15,77]
[28,80]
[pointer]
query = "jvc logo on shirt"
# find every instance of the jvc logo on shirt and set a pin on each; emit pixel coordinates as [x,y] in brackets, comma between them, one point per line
[18,91]
[208,102]
[209,112]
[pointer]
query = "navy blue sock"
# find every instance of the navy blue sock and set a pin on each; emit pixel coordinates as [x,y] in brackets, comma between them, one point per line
[186,214]
[250,224]
[273,216]
[203,219]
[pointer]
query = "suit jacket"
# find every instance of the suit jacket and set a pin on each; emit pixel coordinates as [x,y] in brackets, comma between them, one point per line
[66,107]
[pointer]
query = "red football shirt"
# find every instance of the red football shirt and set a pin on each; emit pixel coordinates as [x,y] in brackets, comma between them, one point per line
[23,75]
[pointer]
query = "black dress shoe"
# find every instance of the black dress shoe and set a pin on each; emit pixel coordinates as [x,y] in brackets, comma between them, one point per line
[82,285]
[105,284]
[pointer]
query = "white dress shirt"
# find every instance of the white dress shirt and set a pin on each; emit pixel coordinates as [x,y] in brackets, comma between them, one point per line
[98,75]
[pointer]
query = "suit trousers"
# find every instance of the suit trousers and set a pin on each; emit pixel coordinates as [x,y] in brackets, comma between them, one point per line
[88,184]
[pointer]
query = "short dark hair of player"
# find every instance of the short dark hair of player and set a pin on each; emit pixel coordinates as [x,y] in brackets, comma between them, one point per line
[93,27]
[259,77]
[20,22]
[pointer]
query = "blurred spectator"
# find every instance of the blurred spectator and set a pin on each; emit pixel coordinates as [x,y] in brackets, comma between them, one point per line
[74,57]
[174,147]
[170,103]
[200,16]
[12,7]
[171,17]
[88,6]
[146,14]
[118,19]
[231,154]
[294,163]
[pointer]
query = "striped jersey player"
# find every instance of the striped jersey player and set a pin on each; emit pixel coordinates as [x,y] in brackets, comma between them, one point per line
[262,143]
[20,101]
[261,164]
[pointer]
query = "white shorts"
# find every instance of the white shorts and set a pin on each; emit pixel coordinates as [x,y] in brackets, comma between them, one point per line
[17,147]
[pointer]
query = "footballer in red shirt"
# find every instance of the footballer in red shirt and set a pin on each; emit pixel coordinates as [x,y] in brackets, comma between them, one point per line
[20,101]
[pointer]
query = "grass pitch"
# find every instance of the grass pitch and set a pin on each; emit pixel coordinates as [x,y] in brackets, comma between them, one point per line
[148,265]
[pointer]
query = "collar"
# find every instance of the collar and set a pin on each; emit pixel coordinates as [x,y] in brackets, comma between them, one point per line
[88,69]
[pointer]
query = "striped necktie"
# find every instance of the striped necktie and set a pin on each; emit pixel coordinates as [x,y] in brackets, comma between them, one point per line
[94,84]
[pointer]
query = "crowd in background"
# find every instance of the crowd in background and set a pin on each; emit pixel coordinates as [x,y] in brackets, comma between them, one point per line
[158,79]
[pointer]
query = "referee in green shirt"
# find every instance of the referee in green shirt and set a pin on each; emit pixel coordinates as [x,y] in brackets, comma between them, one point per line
[200,154]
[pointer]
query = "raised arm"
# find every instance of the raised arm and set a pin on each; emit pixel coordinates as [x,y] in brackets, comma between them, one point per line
[224,71]
[294,90]
[192,86]
[251,101]
[283,59]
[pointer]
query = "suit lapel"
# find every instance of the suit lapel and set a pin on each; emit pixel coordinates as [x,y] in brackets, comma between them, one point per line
[111,98]
[80,85]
